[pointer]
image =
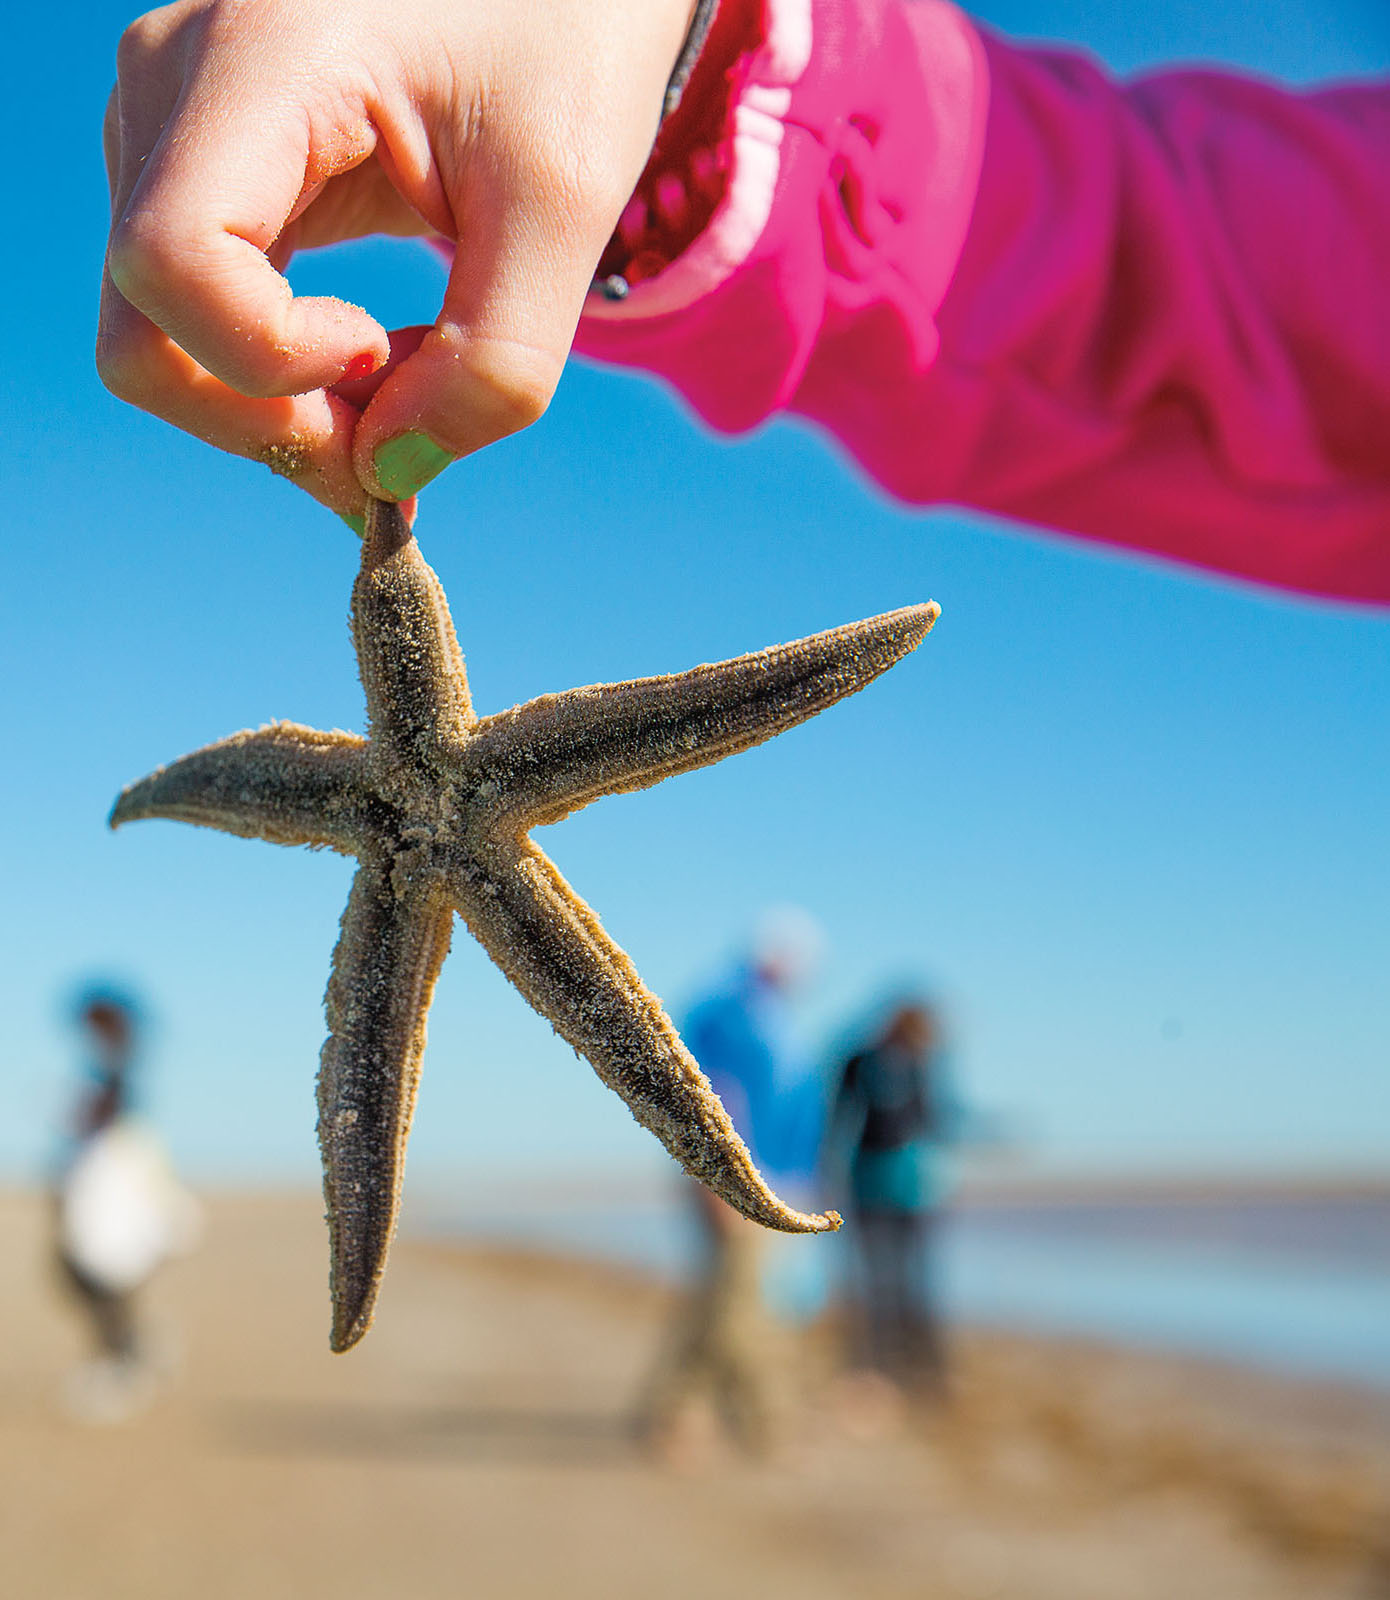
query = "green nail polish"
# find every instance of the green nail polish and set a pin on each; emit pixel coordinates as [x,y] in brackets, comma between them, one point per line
[405,464]
[356,523]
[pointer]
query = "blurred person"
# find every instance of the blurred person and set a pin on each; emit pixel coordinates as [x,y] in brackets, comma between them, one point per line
[722,1343]
[890,1120]
[119,1214]
[744,1034]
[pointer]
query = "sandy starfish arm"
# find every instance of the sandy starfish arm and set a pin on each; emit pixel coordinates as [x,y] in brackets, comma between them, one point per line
[284,783]
[412,668]
[620,736]
[393,942]
[552,947]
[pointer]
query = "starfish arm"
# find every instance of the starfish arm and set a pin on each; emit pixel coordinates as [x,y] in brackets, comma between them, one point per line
[407,652]
[393,942]
[610,738]
[550,944]
[284,783]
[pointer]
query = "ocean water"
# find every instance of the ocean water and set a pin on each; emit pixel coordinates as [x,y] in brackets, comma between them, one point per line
[1286,1283]
[1315,1314]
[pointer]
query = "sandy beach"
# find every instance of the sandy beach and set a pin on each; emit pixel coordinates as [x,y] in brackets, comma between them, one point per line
[476,1444]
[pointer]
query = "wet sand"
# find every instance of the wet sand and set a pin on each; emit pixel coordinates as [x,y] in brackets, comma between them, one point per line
[476,1444]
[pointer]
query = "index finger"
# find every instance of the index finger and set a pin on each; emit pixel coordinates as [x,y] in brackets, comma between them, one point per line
[189,244]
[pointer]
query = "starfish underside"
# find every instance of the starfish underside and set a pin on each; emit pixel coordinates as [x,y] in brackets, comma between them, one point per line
[436,805]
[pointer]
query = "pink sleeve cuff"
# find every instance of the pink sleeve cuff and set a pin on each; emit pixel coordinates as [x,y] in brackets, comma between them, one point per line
[789,111]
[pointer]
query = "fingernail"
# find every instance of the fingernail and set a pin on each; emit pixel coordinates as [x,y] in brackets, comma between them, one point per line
[360,366]
[356,523]
[405,464]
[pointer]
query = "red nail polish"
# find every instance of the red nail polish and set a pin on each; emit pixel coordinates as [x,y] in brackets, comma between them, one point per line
[360,366]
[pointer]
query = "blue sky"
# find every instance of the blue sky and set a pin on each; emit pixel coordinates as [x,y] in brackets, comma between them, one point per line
[1128,821]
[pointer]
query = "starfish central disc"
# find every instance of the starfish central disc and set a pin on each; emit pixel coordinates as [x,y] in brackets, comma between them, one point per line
[436,805]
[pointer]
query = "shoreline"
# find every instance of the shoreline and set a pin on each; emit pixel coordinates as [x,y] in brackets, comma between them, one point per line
[479,1439]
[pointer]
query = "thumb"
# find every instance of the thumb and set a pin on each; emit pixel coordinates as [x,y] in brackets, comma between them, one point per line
[492,361]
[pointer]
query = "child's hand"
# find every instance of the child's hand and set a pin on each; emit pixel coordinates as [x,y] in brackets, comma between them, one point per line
[242,130]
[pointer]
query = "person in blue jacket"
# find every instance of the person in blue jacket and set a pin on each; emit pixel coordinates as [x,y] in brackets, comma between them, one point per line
[743,1034]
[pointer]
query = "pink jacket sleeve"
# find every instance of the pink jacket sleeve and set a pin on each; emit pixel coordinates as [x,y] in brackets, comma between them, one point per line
[1155,314]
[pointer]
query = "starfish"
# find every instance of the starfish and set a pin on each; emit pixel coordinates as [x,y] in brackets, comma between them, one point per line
[436,805]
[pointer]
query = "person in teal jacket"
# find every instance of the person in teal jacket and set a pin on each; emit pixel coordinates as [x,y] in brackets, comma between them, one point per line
[890,1121]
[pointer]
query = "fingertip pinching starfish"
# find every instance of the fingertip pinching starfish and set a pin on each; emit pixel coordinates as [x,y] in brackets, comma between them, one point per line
[437,805]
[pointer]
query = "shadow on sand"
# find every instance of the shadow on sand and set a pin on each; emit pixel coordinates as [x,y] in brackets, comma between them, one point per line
[464,1432]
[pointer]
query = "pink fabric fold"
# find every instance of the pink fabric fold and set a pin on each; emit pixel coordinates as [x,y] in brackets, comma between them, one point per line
[1152,314]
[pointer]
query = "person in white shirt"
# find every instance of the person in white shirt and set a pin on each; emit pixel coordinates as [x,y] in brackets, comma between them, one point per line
[120,1213]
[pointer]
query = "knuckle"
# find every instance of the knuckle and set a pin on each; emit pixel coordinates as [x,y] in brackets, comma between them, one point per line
[175,285]
[124,367]
[150,31]
[138,258]
[519,386]
[138,44]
